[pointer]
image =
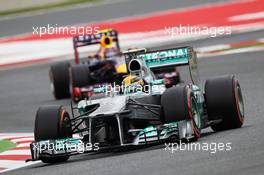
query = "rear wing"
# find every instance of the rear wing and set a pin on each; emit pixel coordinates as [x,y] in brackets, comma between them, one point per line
[167,58]
[92,39]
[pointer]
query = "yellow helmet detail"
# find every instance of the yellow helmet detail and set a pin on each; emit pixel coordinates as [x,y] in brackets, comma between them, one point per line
[106,41]
[131,79]
[121,68]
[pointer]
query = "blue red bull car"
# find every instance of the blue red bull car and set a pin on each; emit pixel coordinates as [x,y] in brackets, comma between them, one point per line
[103,67]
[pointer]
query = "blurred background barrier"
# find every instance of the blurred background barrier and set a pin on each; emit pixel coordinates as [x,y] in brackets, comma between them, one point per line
[9,7]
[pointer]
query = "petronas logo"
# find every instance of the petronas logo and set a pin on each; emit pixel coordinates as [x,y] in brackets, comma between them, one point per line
[165,54]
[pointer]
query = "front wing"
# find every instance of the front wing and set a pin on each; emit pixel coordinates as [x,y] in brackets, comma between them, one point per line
[150,135]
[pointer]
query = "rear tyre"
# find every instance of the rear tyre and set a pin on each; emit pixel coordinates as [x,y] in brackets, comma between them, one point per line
[79,77]
[52,122]
[178,103]
[59,80]
[224,101]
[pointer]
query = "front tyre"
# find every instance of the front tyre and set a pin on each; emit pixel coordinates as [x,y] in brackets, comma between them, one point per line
[178,103]
[224,101]
[52,122]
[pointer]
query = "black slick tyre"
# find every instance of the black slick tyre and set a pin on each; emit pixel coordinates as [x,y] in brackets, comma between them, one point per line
[224,101]
[59,80]
[52,122]
[178,103]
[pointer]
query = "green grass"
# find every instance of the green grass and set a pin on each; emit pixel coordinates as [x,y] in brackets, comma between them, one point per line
[44,7]
[6,145]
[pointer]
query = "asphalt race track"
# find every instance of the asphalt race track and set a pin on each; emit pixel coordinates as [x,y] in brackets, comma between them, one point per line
[23,90]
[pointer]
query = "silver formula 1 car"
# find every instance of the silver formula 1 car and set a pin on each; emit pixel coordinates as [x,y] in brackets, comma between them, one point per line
[141,112]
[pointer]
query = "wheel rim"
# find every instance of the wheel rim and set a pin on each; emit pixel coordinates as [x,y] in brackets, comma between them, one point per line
[195,113]
[51,83]
[65,124]
[240,100]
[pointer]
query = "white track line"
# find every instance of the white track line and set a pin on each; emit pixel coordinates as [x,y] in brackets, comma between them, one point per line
[261,40]
[248,16]
[11,163]
[16,134]
[16,152]
[22,145]
[23,139]
[213,48]
[232,51]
